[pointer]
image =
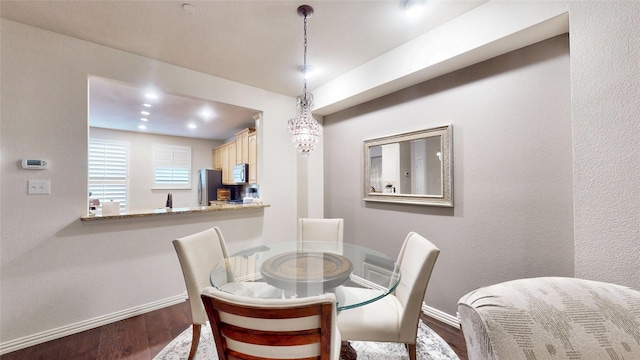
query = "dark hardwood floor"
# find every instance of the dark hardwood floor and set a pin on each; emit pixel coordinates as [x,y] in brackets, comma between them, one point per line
[453,336]
[142,337]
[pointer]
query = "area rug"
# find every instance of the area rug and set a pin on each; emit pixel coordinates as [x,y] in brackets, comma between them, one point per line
[430,346]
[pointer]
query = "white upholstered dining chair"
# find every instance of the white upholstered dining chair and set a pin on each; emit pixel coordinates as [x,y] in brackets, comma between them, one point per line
[394,318]
[325,230]
[198,255]
[253,328]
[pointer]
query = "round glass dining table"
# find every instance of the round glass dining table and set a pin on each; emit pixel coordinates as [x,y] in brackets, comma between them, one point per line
[306,268]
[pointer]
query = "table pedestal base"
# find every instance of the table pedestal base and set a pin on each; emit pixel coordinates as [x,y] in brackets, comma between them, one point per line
[347,352]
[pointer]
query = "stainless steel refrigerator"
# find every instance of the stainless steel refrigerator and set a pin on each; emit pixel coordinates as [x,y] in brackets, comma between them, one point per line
[209,181]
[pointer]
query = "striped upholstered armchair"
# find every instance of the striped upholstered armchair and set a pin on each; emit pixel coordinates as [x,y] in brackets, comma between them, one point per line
[551,318]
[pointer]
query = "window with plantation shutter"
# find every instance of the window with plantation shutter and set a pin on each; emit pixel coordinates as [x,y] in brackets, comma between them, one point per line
[172,167]
[108,170]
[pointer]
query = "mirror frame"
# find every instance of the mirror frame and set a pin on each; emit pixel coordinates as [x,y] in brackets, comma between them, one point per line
[444,200]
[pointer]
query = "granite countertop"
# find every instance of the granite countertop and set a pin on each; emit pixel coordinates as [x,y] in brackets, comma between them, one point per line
[215,206]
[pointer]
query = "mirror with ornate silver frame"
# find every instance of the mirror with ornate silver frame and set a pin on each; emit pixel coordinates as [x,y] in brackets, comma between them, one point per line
[410,168]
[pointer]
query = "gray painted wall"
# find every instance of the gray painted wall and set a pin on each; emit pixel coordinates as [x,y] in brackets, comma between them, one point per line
[59,275]
[512,214]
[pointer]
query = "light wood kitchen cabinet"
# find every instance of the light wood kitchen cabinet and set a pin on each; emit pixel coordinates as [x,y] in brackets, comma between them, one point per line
[224,158]
[242,145]
[228,161]
[253,158]
[217,158]
[243,150]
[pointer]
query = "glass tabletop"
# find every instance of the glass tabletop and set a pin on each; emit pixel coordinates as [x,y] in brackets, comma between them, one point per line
[357,275]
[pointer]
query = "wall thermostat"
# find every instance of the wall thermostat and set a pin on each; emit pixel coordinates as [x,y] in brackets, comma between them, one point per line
[34,164]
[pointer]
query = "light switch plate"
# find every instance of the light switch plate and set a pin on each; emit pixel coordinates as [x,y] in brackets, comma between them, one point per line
[39,187]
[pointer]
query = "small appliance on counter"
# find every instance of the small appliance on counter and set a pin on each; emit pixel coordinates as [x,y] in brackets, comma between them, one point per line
[111,208]
[224,194]
[240,173]
[235,193]
[251,195]
[252,191]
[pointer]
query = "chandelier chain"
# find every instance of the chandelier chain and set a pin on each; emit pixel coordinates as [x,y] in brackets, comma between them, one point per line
[304,129]
[305,55]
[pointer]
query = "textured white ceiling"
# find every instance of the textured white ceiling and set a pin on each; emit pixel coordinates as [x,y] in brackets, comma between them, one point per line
[258,43]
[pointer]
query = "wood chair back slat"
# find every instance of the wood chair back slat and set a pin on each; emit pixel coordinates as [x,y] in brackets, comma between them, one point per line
[223,331]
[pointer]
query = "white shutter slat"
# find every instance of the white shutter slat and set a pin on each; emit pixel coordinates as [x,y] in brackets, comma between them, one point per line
[172,167]
[108,170]
[181,157]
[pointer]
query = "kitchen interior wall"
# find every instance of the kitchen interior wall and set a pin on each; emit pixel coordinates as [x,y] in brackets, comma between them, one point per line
[141,196]
[512,176]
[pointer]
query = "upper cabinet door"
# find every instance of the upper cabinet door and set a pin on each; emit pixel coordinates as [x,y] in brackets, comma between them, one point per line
[253,158]
[217,158]
[242,144]
[244,150]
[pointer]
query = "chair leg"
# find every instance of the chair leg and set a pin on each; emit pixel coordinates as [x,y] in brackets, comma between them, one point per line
[195,340]
[412,351]
[347,352]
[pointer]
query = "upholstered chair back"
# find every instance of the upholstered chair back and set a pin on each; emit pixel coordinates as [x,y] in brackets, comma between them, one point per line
[416,260]
[245,327]
[329,230]
[200,254]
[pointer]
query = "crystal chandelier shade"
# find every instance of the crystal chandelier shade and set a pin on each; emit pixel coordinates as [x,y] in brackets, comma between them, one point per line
[304,129]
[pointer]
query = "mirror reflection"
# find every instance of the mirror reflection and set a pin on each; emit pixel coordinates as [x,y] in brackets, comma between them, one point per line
[409,168]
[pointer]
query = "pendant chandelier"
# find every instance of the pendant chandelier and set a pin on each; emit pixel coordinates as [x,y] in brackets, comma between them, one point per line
[304,129]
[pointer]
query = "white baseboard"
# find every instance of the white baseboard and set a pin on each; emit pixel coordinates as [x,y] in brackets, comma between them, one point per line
[42,337]
[39,338]
[440,316]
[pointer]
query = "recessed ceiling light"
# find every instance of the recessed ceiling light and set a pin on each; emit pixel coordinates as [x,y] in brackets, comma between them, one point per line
[147,105]
[144,119]
[206,114]
[142,127]
[191,126]
[145,113]
[189,9]
[151,96]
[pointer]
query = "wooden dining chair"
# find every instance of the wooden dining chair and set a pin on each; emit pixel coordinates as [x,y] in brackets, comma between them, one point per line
[198,255]
[316,230]
[260,329]
[394,318]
